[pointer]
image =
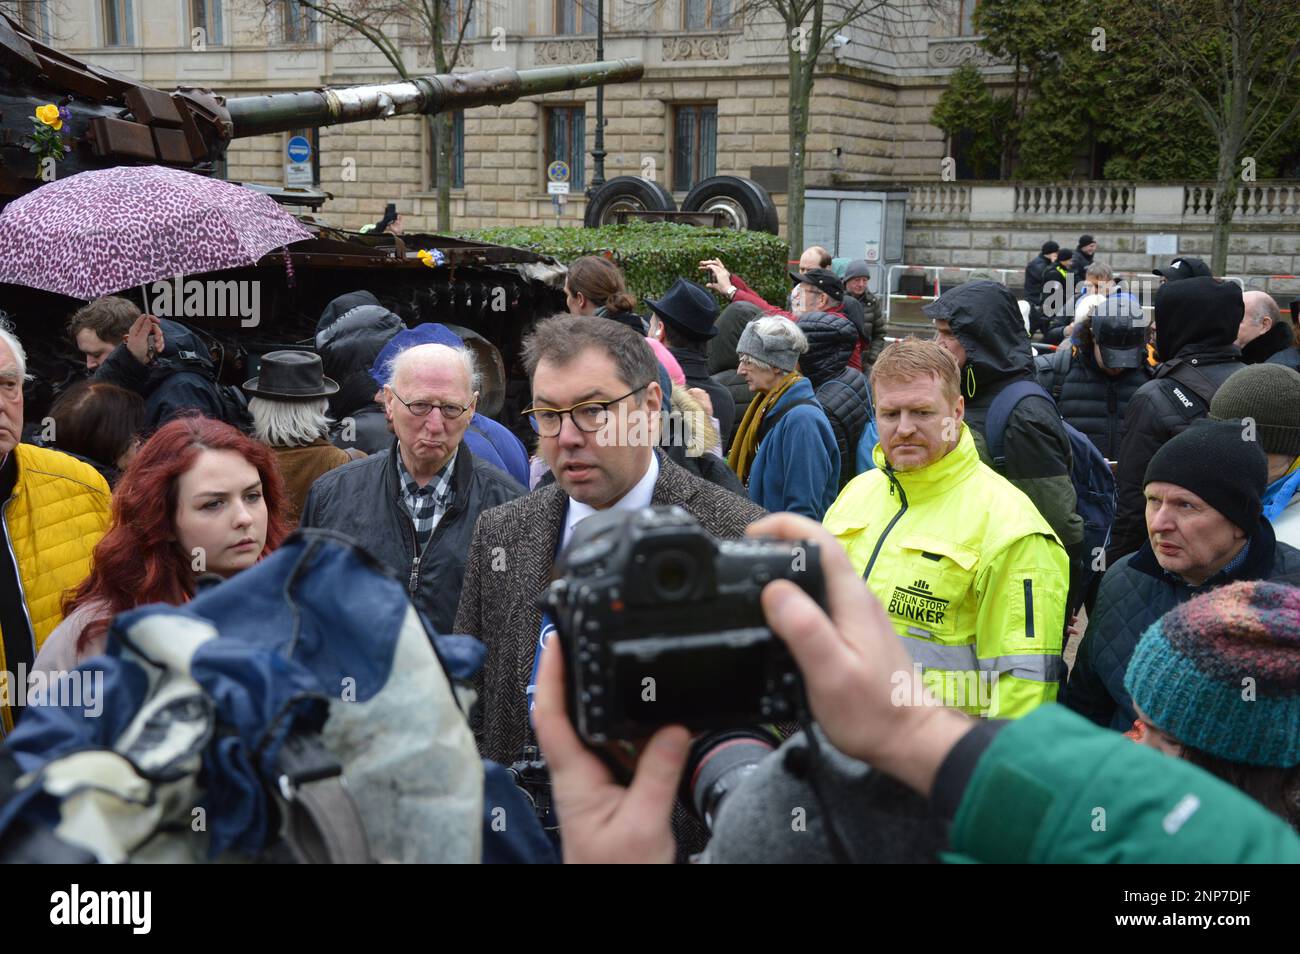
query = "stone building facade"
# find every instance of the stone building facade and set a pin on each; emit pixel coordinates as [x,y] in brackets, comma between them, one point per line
[713,97]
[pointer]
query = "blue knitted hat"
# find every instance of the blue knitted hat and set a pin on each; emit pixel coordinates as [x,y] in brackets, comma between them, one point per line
[1221,673]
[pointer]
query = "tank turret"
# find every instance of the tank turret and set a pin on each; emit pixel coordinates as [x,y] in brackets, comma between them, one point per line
[106,119]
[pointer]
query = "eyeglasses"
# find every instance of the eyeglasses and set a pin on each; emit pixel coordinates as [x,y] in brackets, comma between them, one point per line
[449,412]
[588,417]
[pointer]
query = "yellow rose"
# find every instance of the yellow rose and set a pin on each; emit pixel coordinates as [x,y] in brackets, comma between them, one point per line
[425,256]
[49,115]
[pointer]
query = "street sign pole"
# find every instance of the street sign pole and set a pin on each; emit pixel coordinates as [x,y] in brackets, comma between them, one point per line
[557,174]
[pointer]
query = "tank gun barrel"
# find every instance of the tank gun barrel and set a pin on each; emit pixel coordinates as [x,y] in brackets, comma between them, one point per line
[423,95]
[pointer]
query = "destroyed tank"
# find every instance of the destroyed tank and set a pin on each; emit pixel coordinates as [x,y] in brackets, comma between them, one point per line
[111,120]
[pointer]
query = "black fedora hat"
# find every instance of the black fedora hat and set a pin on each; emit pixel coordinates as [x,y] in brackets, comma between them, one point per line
[291,376]
[688,308]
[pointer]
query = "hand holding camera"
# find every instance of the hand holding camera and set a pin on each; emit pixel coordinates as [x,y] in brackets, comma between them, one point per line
[851,662]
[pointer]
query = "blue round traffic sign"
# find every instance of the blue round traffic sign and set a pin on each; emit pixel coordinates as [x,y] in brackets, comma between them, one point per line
[558,171]
[299,149]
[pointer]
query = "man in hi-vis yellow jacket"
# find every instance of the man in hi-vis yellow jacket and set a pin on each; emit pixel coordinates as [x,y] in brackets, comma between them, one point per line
[971,575]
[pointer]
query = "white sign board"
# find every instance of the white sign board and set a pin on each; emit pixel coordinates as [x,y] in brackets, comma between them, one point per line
[1162,244]
[557,188]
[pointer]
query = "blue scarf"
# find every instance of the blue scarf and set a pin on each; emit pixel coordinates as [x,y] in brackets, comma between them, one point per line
[1279,494]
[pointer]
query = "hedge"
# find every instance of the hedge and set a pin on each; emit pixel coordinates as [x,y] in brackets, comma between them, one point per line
[655,254]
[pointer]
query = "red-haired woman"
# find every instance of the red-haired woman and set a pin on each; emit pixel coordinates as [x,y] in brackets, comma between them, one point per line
[198,497]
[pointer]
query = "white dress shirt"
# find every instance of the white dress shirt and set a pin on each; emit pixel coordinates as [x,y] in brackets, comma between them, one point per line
[636,498]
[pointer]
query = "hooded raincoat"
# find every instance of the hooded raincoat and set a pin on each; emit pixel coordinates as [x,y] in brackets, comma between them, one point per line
[985,318]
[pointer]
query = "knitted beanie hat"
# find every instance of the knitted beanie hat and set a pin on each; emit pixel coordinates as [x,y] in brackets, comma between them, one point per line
[1221,673]
[779,344]
[1218,462]
[1268,394]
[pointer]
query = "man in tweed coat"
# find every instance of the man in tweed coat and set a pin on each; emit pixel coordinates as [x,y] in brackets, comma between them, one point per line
[594,381]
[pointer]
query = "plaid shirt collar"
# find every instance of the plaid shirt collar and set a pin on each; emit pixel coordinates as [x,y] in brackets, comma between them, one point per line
[426,505]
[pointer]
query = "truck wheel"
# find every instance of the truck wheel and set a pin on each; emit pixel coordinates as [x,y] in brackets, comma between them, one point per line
[626,192]
[744,202]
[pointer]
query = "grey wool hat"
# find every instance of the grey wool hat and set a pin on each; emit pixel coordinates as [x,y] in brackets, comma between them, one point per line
[780,351]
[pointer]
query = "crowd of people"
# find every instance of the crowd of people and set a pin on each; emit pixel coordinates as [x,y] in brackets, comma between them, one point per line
[967,543]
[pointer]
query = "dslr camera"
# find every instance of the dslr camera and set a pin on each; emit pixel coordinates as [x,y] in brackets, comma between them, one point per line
[660,623]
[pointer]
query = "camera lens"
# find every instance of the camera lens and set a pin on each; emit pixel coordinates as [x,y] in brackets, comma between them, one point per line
[672,574]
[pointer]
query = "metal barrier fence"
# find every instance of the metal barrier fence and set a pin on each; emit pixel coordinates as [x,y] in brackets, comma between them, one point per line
[1002,273]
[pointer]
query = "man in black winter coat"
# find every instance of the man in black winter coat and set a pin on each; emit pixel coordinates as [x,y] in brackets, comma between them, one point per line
[414,506]
[1094,377]
[1036,273]
[841,390]
[1196,323]
[1083,256]
[1262,332]
[353,329]
[980,325]
[178,379]
[1204,529]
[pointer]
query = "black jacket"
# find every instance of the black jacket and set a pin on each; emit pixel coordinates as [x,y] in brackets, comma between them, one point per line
[1035,275]
[985,318]
[1277,339]
[1135,592]
[181,379]
[841,390]
[1287,357]
[1091,400]
[872,326]
[364,500]
[1081,260]
[1196,324]
[695,367]
[353,329]
[722,354]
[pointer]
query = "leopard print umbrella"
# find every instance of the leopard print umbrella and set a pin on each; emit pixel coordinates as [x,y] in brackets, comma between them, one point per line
[96,233]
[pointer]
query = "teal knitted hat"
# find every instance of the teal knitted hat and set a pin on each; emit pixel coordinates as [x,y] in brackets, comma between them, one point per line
[1221,673]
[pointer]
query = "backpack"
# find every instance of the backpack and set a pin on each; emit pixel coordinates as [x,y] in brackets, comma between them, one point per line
[1094,483]
[1053,368]
[869,439]
[300,710]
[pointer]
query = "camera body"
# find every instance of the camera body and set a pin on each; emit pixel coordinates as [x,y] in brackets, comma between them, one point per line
[660,623]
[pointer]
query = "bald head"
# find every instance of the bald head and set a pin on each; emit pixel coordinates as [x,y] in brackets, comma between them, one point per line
[814,256]
[1260,313]
[451,364]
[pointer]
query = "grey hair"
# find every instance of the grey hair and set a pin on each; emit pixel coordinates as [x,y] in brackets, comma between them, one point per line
[1098,271]
[786,334]
[289,423]
[20,356]
[407,356]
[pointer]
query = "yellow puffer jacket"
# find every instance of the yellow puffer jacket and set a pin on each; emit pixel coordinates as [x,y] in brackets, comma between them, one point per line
[971,575]
[58,512]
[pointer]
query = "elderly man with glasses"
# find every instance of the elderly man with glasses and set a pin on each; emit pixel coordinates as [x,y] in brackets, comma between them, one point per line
[414,507]
[596,404]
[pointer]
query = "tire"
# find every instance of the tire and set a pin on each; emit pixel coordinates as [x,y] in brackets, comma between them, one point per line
[745,202]
[626,192]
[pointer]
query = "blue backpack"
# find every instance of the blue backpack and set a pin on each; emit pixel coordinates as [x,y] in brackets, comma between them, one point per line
[869,439]
[1094,484]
